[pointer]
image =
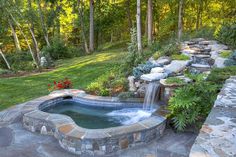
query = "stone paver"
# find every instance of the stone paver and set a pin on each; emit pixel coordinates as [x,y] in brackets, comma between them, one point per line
[21,143]
[217,137]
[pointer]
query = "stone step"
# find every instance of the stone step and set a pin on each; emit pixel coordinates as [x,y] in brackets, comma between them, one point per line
[153,76]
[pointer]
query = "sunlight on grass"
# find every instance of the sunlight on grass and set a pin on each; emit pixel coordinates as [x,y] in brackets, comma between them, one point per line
[82,71]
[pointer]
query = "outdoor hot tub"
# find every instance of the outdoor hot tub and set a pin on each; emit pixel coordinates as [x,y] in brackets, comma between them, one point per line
[92,125]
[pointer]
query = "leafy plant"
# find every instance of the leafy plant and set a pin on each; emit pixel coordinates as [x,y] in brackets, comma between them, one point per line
[225,53]
[57,50]
[174,80]
[171,48]
[227,34]
[133,57]
[126,95]
[108,84]
[63,84]
[191,104]
[219,75]
[143,69]
[179,57]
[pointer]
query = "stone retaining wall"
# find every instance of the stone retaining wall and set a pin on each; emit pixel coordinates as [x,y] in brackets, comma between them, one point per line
[217,137]
[90,142]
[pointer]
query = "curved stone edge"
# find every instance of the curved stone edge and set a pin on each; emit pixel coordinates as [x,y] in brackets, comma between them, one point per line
[217,137]
[78,140]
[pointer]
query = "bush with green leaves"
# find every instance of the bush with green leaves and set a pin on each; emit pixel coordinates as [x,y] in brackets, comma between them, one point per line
[19,61]
[227,34]
[5,71]
[219,75]
[226,53]
[179,57]
[191,104]
[133,57]
[171,48]
[143,69]
[126,95]
[231,61]
[108,84]
[57,50]
[174,80]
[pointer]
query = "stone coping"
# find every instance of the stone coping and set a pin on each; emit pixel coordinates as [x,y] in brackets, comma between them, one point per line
[217,137]
[84,141]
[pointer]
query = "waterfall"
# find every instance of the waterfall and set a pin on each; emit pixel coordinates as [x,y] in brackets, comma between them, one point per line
[152,90]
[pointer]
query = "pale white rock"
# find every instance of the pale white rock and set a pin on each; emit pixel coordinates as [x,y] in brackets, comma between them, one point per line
[188,51]
[200,66]
[219,62]
[43,130]
[214,54]
[157,70]
[176,66]
[153,76]
[132,86]
[163,60]
[218,47]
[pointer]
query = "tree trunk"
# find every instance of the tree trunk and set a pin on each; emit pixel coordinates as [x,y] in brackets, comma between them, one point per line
[139,35]
[150,22]
[31,29]
[180,19]
[4,58]
[26,39]
[91,27]
[15,37]
[82,28]
[43,25]
[129,14]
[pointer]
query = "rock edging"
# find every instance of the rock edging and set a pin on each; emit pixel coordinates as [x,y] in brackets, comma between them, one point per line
[217,137]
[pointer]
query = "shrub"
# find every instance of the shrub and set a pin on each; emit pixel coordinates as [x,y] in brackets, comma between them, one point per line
[191,104]
[227,34]
[133,57]
[5,71]
[174,80]
[171,48]
[225,53]
[219,75]
[63,84]
[142,69]
[57,50]
[231,61]
[108,84]
[205,32]
[157,54]
[179,57]
[126,95]
[19,61]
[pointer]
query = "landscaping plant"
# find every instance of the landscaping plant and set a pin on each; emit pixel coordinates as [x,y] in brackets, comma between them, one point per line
[63,84]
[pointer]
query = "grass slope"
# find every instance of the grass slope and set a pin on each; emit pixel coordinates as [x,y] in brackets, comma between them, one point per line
[82,71]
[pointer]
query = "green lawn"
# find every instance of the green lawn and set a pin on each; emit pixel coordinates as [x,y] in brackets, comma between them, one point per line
[81,71]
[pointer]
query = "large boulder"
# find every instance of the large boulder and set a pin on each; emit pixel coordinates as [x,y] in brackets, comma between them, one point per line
[176,66]
[219,62]
[153,76]
[163,60]
[157,70]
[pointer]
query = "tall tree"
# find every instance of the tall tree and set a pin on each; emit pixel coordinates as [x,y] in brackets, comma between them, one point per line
[15,37]
[4,58]
[127,3]
[91,26]
[42,23]
[82,27]
[139,33]
[150,22]
[180,19]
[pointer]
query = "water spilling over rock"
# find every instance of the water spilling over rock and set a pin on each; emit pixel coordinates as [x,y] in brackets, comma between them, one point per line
[150,98]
